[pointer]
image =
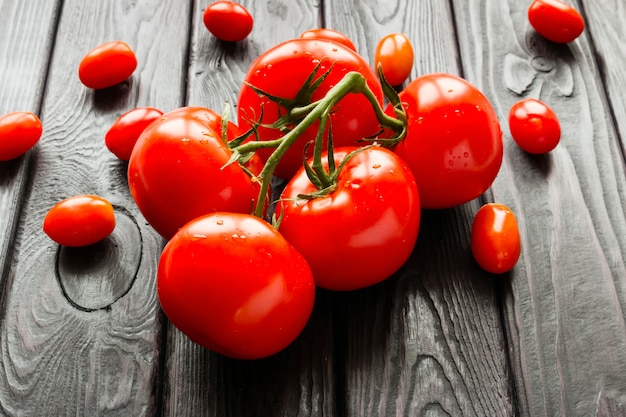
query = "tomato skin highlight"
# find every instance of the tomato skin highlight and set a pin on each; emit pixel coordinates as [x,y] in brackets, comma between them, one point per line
[454,142]
[360,233]
[234,285]
[19,132]
[228,21]
[555,20]
[107,65]
[495,238]
[177,170]
[124,132]
[282,70]
[394,53]
[329,34]
[534,126]
[80,220]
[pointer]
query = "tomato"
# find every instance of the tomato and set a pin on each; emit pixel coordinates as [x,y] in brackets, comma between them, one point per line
[19,132]
[364,230]
[394,53]
[177,170]
[228,21]
[234,285]
[80,220]
[122,135]
[453,143]
[495,238]
[282,70]
[328,34]
[534,126]
[555,20]
[107,65]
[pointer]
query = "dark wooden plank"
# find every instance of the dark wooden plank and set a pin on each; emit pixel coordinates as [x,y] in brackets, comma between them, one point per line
[299,380]
[565,300]
[81,328]
[27,34]
[429,340]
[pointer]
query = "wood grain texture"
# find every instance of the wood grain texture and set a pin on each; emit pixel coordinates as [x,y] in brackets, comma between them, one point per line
[64,352]
[27,33]
[429,340]
[565,300]
[299,380]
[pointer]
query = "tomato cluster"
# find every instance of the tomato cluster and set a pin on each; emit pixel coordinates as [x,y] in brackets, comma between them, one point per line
[360,160]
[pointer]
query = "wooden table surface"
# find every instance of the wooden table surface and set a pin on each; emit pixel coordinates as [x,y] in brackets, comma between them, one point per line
[81,332]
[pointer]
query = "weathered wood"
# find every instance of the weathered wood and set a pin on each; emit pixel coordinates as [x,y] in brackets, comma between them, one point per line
[81,328]
[299,380]
[564,302]
[27,34]
[429,340]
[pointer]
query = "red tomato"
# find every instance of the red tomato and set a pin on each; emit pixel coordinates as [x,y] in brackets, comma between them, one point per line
[328,34]
[555,20]
[233,284]
[395,53]
[454,142]
[495,238]
[123,134]
[364,230]
[19,131]
[228,21]
[177,170]
[80,220]
[107,65]
[534,126]
[282,70]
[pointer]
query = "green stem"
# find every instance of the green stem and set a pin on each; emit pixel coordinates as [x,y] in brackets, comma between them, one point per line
[386,121]
[353,82]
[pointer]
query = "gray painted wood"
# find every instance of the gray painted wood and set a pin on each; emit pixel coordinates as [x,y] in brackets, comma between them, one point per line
[81,332]
[565,299]
[28,32]
[295,382]
[81,328]
[436,335]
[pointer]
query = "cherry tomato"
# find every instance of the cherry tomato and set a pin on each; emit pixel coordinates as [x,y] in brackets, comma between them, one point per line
[177,170]
[19,132]
[282,70]
[234,285]
[495,238]
[328,34]
[123,134]
[80,220]
[364,230]
[228,21]
[454,142]
[107,65]
[555,20]
[534,126]
[394,53]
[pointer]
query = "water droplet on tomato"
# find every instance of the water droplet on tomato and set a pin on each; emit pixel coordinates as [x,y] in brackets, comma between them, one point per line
[220,222]
[186,140]
[465,154]
[376,166]
[451,162]
[198,236]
